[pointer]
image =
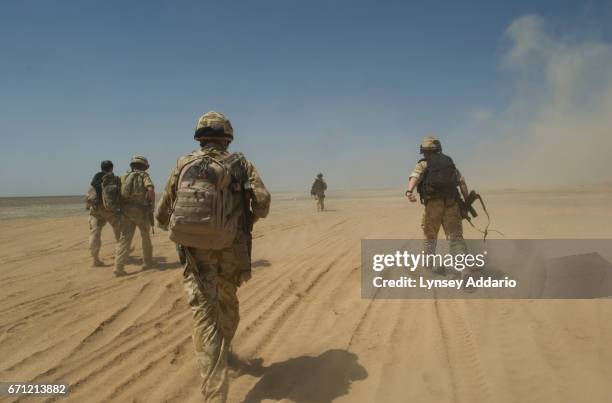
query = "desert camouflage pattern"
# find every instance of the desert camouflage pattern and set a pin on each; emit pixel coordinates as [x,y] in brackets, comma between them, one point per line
[320,203]
[260,201]
[97,220]
[215,120]
[139,159]
[215,311]
[430,143]
[443,213]
[206,211]
[212,295]
[134,214]
[134,185]
[133,217]
[318,190]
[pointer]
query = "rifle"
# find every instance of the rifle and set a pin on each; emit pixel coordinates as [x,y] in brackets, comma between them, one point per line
[239,173]
[466,209]
[182,254]
[465,206]
[247,222]
[151,211]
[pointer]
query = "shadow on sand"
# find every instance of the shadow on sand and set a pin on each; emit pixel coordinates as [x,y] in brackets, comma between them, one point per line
[261,263]
[319,379]
[160,264]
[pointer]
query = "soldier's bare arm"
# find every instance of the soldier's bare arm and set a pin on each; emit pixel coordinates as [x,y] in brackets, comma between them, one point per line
[260,202]
[413,181]
[412,184]
[164,206]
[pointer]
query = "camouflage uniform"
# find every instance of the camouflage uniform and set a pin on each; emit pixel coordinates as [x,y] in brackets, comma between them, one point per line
[99,215]
[135,214]
[318,190]
[441,212]
[97,220]
[212,295]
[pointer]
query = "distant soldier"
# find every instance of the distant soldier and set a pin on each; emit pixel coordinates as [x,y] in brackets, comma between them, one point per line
[210,203]
[436,178]
[138,199]
[103,202]
[318,191]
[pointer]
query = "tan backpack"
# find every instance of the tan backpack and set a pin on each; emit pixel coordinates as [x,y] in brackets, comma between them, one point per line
[207,207]
[133,189]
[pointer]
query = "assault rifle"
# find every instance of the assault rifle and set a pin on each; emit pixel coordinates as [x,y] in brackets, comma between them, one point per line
[465,206]
[182,254]
[248,215]
[466,209]
[241,178]
[151,208]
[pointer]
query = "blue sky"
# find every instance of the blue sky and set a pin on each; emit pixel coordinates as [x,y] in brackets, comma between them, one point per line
[309,85]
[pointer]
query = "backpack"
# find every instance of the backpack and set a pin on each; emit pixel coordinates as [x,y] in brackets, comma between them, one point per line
[318,187]
[207,209]
[133,189]
[440,178]
[111,193]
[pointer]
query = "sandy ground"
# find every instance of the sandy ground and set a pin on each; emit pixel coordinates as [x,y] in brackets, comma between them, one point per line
[305,334]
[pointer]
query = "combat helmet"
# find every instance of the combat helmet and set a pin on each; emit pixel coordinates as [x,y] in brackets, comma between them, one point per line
[213,125]
[430,143]
[140,160]
[319,175]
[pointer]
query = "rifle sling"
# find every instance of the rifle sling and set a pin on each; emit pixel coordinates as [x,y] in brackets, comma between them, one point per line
[486,230]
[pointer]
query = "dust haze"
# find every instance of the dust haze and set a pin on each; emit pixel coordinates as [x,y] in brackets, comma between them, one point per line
[554,131]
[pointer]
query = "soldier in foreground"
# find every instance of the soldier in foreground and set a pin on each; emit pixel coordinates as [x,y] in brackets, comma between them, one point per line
[103,203]
[138,199]
[209,205]
[436,178]
[318,191]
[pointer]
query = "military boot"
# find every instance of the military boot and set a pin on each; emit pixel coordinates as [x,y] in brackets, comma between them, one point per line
[148,266]
[429,248]
[119,271]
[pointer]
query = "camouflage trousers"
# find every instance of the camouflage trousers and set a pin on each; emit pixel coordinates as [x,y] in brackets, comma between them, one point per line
[320,202]
[133,217]
[97,221]
[214,308]
[445,213]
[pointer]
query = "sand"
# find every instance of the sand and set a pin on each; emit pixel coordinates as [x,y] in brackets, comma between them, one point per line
[305,334]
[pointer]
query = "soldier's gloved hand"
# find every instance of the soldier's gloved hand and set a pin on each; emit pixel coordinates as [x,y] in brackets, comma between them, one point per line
[245,276]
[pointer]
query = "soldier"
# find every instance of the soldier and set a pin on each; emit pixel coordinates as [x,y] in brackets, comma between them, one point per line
[209,204]
[318,191]
[105,187]
[436,178]
[138,198]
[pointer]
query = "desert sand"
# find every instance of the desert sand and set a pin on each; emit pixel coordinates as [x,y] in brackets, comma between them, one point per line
[305,334]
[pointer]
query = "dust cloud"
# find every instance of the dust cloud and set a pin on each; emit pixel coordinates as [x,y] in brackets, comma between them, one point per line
[557,128]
